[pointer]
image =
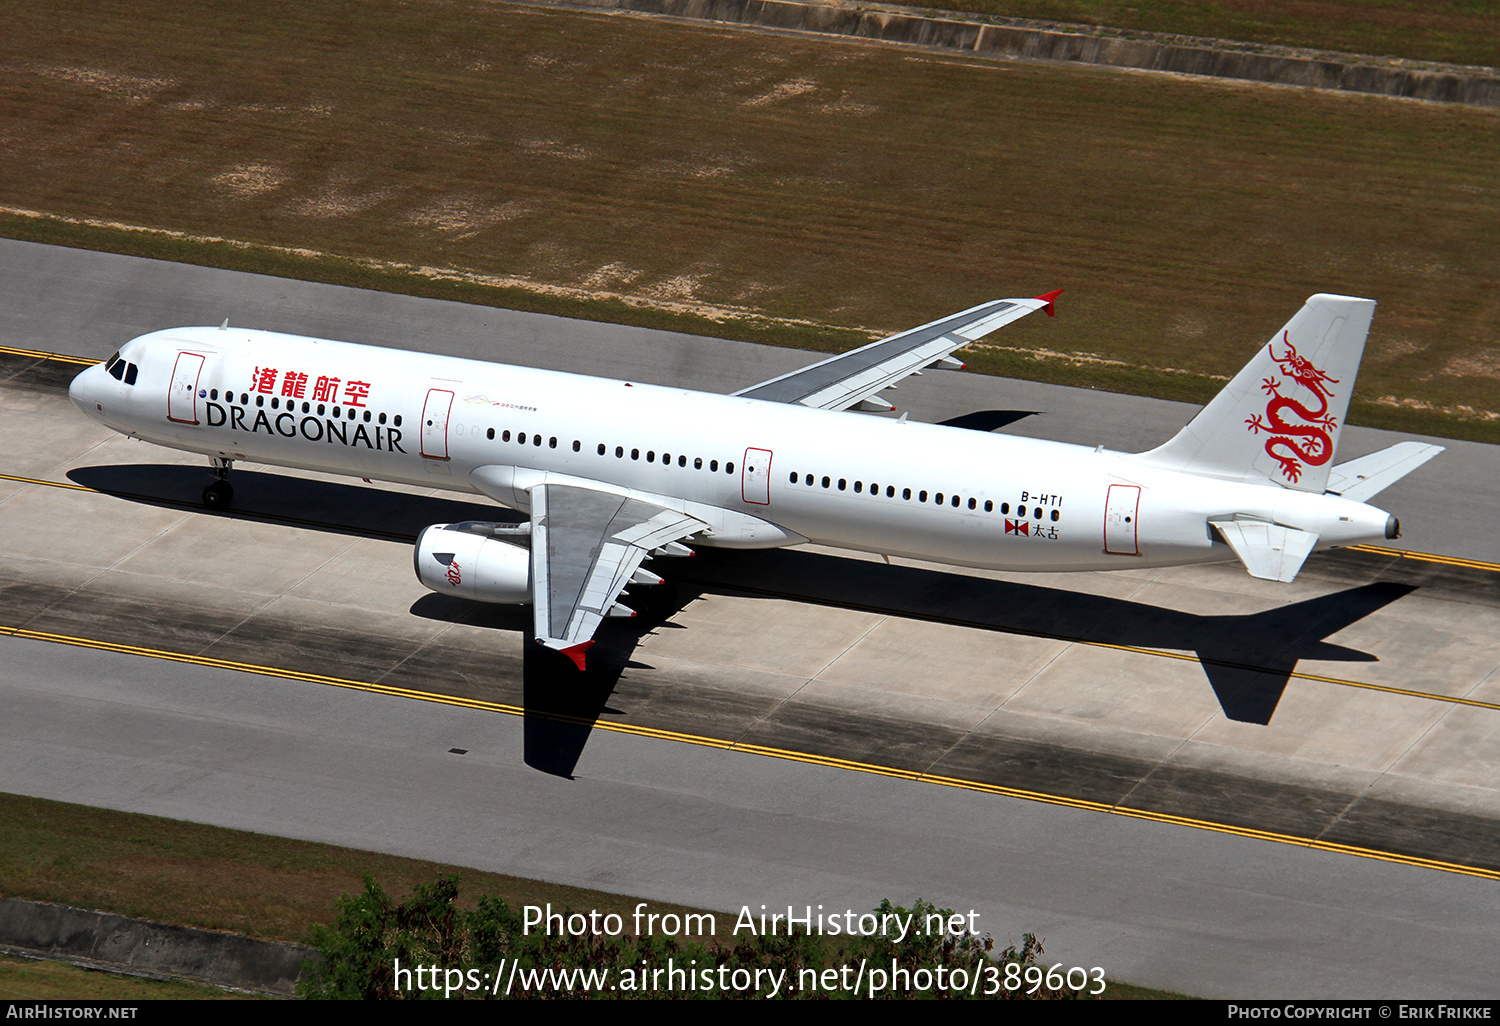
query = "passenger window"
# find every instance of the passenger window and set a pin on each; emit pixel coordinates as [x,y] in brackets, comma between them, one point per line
[397,421]
[650,455]
[957,500]
[698,463]
[825,482]
[793,478]
[635,454]
[729,468]
[536,440]
[938,498]
[619,452]
[682,461]
[213,393]
[858,487]
[890,491]
[841,484]
[1057,514]
[490,434]
[382,419]
[551,442]
[989,506]
[713,466]
[1037,512]
[367,416]
[922,496]
[906,493]
[601,448]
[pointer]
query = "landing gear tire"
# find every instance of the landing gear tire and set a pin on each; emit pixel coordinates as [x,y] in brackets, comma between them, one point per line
[218,495]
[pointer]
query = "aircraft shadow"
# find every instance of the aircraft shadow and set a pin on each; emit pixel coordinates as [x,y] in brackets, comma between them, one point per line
[560,704]
[1248,659]
[988,420]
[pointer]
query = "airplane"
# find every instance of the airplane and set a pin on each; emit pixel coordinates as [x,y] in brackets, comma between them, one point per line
[612,473]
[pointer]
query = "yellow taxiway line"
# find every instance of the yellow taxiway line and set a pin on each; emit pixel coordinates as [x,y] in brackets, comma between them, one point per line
[762,750]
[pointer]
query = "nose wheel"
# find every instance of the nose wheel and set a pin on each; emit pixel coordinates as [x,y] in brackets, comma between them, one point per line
[221,493]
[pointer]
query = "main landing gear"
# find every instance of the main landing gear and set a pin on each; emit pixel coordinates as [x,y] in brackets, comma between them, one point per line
[221,493]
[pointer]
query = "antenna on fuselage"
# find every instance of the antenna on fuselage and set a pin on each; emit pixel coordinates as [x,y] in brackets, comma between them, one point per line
[225,325]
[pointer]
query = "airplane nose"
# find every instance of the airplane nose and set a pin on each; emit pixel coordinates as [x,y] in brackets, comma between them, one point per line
[83,391]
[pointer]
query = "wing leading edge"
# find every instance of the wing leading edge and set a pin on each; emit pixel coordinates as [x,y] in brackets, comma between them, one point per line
[586,547]
[857,376]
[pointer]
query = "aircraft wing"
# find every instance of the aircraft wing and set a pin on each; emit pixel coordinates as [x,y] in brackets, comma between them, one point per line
[586,546]
[857,376]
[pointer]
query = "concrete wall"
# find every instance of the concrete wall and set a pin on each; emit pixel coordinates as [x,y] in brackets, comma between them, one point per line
[1014,38]
[151,949]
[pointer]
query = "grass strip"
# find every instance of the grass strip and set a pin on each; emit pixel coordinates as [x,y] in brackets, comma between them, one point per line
[215,878]
[806,192]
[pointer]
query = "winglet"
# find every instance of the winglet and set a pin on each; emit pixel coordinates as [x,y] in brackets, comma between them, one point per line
[573,652]
[1048,298]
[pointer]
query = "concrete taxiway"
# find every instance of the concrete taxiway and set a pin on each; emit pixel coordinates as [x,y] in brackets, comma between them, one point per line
[1356,709]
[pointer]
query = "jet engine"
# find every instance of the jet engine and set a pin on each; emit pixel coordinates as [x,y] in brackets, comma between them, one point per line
[473,561]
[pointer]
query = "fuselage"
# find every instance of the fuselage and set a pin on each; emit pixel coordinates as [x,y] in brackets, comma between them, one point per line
[782,473]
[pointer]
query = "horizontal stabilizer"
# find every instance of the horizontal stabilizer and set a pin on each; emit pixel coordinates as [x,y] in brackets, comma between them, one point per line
[1368,476]
[1269,551]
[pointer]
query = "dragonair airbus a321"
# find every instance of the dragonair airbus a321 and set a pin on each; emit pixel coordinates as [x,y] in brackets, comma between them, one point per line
[612,473]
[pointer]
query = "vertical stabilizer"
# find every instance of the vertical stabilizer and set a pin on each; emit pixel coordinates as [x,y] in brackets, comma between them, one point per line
[1278,421]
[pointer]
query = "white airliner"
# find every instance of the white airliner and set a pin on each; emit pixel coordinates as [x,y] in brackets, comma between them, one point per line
[614,472]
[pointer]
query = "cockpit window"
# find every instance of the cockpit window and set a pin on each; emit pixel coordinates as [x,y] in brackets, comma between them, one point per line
[130,374]
[117,369]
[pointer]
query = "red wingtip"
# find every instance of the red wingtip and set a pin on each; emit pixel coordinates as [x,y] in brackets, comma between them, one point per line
[576,653]
[1048,298]
[573,652]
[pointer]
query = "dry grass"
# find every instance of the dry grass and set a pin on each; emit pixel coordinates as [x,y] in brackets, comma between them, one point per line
[1453,31]
[218,879]
[734,174]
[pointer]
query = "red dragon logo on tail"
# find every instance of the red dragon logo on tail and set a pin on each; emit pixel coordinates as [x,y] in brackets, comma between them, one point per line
[1316,446]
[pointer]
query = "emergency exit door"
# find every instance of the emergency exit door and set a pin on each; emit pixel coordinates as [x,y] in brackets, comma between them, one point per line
[755,477]
[1121,520]
[435,423]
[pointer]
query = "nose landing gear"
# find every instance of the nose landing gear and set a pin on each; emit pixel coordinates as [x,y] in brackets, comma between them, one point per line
[221,493]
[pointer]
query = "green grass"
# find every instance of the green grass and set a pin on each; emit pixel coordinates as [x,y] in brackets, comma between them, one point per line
[171,871]
[25,979]
[804,192]
[214,878]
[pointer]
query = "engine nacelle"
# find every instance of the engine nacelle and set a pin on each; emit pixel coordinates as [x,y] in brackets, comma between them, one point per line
[472,566]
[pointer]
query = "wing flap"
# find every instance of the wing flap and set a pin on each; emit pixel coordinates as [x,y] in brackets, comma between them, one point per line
[586,546]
